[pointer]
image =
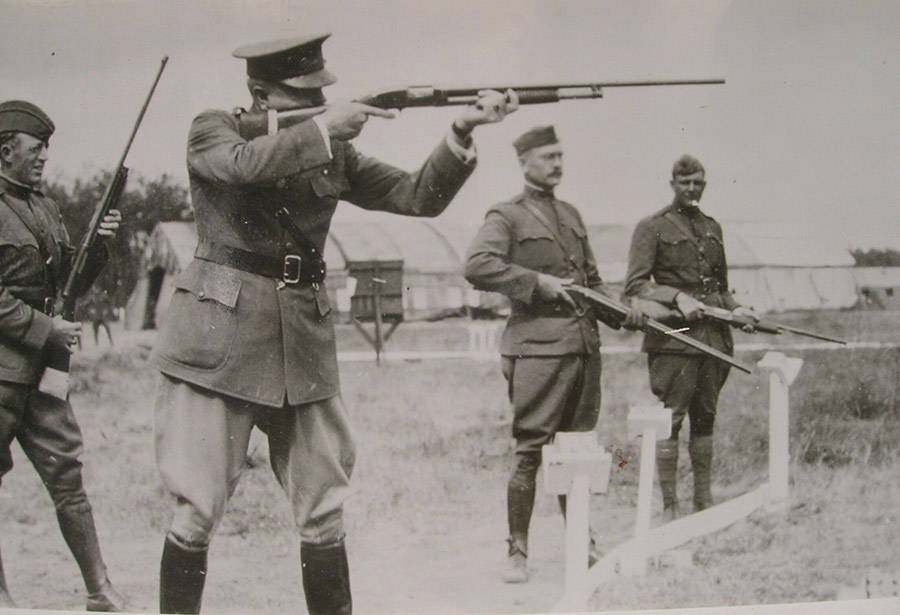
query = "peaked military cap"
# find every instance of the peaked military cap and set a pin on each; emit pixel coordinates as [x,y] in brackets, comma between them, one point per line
[295,62]
[536,137]
[22,116]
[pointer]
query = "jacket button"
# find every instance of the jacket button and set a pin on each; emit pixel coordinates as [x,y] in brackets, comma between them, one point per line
[201,294]
[324,171]
[289,245]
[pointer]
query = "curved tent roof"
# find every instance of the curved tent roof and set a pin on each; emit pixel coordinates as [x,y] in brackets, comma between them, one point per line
[428,247]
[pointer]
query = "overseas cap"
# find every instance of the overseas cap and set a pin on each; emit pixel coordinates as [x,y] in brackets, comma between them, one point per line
[536,137]
[295,62]
[22,116]
[687,165]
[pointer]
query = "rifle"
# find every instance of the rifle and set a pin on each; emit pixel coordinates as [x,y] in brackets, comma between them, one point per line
[654,309]
[109,201]
[256,124]
[649,323]
[54,381]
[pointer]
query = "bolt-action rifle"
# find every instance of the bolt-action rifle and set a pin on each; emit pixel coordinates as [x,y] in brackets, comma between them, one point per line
[657,310]
[57,365]
[620,310]
[256,124]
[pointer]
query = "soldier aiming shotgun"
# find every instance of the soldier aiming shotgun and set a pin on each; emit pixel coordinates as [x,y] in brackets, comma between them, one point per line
[255,124]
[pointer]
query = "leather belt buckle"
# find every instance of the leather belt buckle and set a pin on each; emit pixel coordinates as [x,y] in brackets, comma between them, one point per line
[291,272]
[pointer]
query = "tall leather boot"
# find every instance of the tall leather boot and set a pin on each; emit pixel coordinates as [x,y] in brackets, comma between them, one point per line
[519,505]
[667,470]
[701,450]
[326,578]
[6,600]
[182,574]
[77,527]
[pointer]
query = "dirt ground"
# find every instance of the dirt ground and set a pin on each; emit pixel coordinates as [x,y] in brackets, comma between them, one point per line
[409,551]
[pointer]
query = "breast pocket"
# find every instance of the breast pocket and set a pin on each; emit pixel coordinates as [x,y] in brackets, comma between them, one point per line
[535,248]
[675,251]
[201,324]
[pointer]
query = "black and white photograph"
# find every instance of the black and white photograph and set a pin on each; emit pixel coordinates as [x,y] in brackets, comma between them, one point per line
[449,307]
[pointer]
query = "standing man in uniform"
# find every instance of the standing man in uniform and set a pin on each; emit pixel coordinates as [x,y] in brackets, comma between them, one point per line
[527,249]
[677,258]
[35,259]
[248,339]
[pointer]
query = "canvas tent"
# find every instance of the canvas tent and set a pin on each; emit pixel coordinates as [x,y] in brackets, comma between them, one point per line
[771,267]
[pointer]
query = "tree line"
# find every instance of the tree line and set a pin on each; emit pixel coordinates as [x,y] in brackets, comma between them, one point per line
[876,258]
[144,204]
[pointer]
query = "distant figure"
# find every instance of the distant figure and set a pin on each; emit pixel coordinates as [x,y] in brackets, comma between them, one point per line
[677,258]
[99,309]
[527,249]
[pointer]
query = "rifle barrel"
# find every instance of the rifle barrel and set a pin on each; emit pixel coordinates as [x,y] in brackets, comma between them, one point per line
[116,185]
[817,336]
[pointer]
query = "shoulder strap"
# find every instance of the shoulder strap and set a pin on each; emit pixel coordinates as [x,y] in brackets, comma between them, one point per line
[537,213]
[670,216]
[682,228]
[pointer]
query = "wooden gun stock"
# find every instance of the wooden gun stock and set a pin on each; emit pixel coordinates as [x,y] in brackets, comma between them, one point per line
[651,323]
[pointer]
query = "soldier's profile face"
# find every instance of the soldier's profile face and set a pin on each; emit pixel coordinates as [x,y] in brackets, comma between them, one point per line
[688,188]
[24,157]
[543,165]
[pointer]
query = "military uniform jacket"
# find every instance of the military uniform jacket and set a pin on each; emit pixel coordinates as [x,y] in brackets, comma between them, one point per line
[664,261]
[35,258]
[237,333]
[511,248]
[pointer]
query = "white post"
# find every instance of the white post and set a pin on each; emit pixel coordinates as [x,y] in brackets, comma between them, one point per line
[644,503]
[575,465]
[779,454]
[783,372]
[577,536]
[652,423]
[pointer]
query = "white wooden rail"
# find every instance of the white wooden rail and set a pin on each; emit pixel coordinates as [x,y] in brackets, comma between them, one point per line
[631,556]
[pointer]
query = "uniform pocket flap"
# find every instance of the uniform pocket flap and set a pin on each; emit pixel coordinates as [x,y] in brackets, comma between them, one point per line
[671,237]
[210,283]
[533,232]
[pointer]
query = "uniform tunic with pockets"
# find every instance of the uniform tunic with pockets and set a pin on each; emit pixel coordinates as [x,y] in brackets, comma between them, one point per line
[682,250]
[35,258]
[239,344]
[550,351]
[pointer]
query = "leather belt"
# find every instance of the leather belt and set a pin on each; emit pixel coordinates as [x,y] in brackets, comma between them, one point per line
[292,269]
[706,286]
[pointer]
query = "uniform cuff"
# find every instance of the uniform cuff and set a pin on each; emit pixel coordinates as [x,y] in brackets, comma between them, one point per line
[38,331]
[468,155]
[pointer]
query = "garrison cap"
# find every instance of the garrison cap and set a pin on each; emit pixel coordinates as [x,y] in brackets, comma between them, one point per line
[536,137]
[295,62]
[22,116]
[687,165]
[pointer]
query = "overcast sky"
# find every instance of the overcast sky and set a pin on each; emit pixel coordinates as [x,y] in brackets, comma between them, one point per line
[805,131]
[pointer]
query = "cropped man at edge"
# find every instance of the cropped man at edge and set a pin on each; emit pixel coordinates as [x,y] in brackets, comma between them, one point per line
[248,339]
[35,259]
[528,249]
